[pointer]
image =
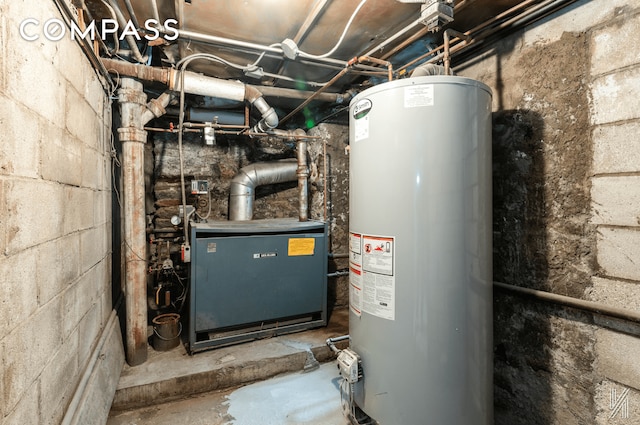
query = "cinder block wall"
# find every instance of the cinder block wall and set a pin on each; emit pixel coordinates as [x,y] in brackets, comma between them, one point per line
[55,225]
[566,213]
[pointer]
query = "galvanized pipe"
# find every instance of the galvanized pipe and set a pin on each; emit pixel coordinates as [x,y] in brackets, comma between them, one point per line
[243,185]
[130,40]
[590,306]
[331,342]
[303,178]
[132,13]
[132,102]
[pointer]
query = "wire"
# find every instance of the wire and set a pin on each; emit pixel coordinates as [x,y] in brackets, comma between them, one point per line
[344,32]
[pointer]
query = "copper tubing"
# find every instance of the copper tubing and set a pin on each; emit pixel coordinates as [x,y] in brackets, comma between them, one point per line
[379,62]
[471,31]
[447,54]
[340,74]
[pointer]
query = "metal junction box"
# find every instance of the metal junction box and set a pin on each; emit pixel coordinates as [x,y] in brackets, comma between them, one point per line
[255,279]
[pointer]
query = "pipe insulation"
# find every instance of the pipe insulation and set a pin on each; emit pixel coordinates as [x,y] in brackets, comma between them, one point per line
[194,83]
[165,75]
[243,185]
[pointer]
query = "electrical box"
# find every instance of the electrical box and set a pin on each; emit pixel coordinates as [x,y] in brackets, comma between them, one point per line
[254,279]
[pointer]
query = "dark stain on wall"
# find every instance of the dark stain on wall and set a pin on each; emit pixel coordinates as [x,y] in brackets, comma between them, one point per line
[543,238]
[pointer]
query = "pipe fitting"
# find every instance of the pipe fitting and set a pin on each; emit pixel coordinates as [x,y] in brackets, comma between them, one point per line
[269,116]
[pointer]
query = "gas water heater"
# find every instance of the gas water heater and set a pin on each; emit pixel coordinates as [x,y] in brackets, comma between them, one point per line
[420,281]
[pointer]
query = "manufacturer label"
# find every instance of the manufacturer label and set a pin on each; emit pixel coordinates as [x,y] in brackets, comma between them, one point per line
[362,108]
[361,123]
[265,255]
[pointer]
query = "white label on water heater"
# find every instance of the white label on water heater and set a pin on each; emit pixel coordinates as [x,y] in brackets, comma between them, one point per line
[418,96]
[361,119]
[372,281]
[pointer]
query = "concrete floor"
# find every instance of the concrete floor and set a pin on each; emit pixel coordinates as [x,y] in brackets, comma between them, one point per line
[269,381]
[309,398]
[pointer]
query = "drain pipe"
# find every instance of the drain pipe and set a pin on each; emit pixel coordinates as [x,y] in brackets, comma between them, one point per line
[243,185]
[133,110]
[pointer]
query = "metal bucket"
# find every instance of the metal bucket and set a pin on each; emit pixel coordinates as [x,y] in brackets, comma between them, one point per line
[166,331]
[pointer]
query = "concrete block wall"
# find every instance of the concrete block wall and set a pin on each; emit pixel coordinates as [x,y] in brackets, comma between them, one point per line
[615,118]
[566,123]
[55,227]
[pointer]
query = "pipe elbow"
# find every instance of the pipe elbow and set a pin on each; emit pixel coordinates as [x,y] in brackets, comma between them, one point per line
[269,116]
[243,183]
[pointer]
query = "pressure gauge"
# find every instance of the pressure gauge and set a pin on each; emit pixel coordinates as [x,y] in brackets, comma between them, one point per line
[175,220]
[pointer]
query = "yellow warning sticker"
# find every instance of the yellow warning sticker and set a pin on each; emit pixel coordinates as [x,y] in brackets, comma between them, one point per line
[301,246]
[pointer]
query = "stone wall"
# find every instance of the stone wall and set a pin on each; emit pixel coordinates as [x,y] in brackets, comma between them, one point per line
[55,226]
[565,221]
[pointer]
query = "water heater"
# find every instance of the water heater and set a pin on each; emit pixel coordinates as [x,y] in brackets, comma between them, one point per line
[420,246]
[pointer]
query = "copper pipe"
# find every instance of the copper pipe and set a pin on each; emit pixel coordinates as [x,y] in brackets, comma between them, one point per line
[321,89]
[471,31]
[458,7]
[447,53]
[405,43]
[379,62]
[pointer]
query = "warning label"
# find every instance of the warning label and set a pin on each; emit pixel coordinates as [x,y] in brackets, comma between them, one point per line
[301,246]
[378,255]
[371,275]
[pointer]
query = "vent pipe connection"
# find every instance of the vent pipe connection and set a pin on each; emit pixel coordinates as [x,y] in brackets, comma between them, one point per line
[243,185]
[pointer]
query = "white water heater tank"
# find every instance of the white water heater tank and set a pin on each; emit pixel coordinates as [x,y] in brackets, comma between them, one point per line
[421,251]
